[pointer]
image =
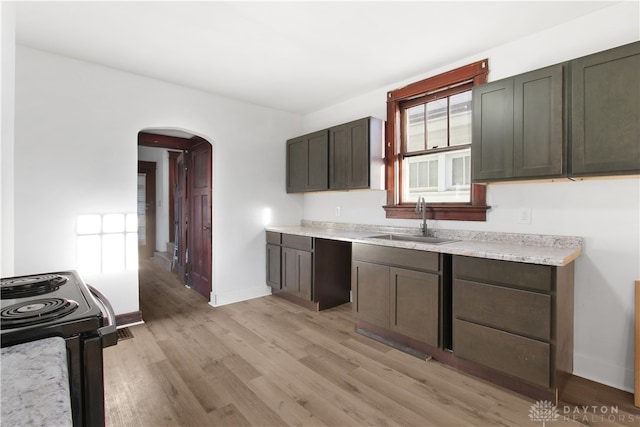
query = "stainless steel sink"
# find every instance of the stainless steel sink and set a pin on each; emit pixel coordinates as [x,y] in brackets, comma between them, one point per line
[414,238]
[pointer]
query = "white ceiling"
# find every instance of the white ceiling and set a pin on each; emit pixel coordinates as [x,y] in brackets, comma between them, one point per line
[292,56]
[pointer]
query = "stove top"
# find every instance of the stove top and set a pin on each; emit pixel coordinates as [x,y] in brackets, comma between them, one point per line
[28,286]
[43,305]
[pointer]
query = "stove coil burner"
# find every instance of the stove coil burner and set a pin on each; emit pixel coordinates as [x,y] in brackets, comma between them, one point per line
[36,311]
[29,286]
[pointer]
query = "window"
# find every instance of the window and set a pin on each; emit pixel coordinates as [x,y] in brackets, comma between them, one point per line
[429,147]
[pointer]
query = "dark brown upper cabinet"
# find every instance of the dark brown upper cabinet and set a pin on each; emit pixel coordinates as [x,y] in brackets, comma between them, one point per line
[355,155]
[605,112]
[518,128]
[343,157]
[308,162]
[574,119]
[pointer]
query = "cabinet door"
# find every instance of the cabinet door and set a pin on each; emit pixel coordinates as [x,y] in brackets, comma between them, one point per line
[538,146]
[349,155]
[273,266]
[605,106]
[297,272]
[305,274]
[297,166]
[414,304]
[492,147]
[318,161]
[289,270]
[370,286]
[307,162]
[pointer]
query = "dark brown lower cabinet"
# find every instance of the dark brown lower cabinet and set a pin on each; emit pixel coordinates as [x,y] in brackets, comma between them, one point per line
[297,272]
[273,260]
[398,290]
[415,304]
[314,273]
[515,319]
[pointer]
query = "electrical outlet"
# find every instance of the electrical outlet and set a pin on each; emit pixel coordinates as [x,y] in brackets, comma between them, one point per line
[337,210]
[524,216]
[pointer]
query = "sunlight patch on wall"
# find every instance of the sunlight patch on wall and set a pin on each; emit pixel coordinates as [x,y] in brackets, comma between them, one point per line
[107,243]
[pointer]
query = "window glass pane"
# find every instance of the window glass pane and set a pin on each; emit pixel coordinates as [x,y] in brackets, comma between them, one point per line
[460,119]
[439,177]
[423,174]
[457,166]
[415,128]
[437,123]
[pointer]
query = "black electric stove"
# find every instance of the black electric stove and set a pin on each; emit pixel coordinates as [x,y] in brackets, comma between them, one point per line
[61,304]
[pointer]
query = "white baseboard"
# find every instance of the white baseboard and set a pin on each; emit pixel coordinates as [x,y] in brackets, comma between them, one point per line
[225,298]
[603,372]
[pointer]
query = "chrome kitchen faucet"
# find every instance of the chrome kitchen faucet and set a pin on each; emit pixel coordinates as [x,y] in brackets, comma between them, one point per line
[421,206]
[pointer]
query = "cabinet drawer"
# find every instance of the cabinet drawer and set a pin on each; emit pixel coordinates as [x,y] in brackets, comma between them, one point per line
[531,276]
[521,357]
[400,257]
[273,238]
[514,310]
[297,242]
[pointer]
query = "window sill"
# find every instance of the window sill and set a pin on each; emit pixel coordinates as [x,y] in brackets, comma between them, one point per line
[446,211]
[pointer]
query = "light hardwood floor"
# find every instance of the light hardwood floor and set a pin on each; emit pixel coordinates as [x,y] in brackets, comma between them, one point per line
[268,362]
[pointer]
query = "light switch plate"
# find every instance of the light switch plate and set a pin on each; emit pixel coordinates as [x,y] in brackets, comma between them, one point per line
[524,216]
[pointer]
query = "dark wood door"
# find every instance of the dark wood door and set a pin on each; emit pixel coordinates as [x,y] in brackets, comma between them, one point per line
[605,106]
[492,148]
[180,214]
[538,128]
[146,209]
[349,155]
[199,221]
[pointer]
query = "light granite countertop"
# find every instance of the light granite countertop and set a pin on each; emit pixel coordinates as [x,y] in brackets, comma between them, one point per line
[527,248]
[35,385]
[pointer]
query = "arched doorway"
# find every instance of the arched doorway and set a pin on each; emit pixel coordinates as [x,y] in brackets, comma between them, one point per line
[188,207]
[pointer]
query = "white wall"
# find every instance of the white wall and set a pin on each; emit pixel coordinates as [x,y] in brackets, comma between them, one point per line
[7,84]
[606,213]
[76,153]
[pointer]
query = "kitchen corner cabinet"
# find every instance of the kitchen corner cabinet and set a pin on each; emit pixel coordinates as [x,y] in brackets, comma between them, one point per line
[314,273]
[515,319]
[605,112]
[355,155]
[398,290]
[308,162]
[518,128]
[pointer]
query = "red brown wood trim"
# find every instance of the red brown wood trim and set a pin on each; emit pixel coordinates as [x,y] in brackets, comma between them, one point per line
[128,318]
[454,212]
[477,73]
[164,141]
[464,73]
